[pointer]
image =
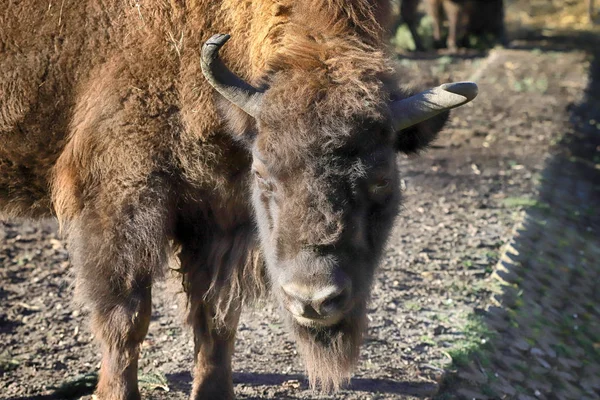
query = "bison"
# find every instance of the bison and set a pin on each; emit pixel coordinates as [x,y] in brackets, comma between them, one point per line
[273,173]
[477,17]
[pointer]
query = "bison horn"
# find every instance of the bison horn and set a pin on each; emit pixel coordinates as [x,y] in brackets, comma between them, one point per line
[234,89]
[429,103]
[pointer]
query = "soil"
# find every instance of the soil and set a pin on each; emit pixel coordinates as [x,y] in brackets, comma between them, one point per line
[464,198]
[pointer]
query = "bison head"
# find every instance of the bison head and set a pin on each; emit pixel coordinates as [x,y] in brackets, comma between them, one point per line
[325,193]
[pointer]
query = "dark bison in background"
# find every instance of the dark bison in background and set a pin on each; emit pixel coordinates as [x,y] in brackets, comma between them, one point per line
[108,124]
[465,17]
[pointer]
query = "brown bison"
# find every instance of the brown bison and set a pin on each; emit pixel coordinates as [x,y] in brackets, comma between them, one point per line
[477,17]
[284,182]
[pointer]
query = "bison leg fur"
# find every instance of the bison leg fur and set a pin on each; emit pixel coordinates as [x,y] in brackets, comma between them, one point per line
[213,349]
[121,331]
[435,11]
[455,24]
[119,297]
[115,265]
[114,273]
[213,305]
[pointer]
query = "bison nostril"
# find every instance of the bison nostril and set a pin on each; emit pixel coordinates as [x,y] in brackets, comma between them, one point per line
[308,311]
[301,308]
[333,303]
[307,302]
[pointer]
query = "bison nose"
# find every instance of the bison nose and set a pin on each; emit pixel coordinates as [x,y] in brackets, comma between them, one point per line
[324,303]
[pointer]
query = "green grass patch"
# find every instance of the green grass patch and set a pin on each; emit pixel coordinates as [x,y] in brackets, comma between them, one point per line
[522,202]
[530,85]
[428,340]
[8,364]
[403,39]
[412,305]
[475,342]
[474,346]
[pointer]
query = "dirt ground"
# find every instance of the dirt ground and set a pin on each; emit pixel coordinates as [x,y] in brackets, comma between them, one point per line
[436,287]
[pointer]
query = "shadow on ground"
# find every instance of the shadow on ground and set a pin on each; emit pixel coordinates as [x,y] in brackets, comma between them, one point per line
[543,333]
[356,384]
[384,386]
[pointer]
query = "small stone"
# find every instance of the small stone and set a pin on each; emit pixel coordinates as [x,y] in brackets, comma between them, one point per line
[551,353]
[439,330]
[570,363]
[536,369]
[521,344]
[515,375]
[565,375]
[292,383]
[543,363]
[504,389]
[537,352]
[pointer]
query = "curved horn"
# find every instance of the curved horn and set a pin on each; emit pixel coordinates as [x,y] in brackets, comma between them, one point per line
[429,103]
[234,89]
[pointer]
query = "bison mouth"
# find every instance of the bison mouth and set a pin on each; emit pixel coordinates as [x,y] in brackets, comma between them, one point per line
[329,350]
[318,322]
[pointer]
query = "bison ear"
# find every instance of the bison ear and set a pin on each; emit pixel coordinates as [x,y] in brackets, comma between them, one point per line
[417,137]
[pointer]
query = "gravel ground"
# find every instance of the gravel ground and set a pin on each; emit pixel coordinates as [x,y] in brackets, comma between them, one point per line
[464,198]
[544,326]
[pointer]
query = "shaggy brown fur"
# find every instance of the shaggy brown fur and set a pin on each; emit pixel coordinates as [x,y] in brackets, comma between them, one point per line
[107,124]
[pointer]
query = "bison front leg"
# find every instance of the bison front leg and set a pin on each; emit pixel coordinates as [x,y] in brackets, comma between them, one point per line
[121,330]
[118,243]
[213,349]
[215,282]
[116,257]
[214,335]
[454,12]
[434,9]
[114,274]
[114,198]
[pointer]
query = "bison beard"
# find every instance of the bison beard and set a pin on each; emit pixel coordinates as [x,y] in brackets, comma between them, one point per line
[330,354]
